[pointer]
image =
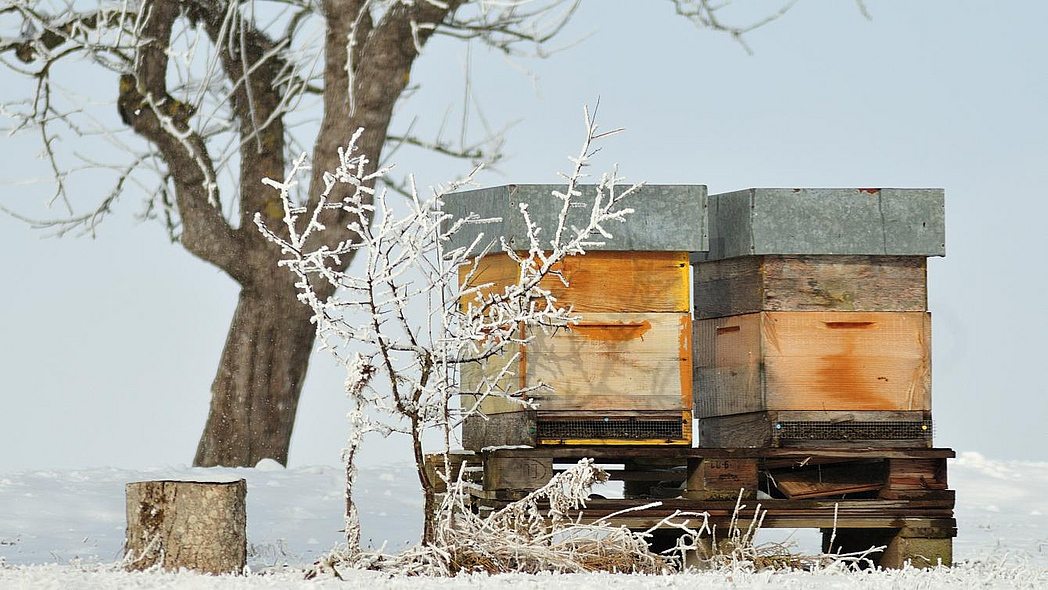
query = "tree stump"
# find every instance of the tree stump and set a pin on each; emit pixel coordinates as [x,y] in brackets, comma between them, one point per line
[200,526]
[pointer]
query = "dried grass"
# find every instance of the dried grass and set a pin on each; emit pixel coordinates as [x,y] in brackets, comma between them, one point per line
[520,537]
[536,534]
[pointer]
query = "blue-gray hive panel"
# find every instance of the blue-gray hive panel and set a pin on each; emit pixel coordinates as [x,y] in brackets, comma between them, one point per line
[855,221]
[669,217]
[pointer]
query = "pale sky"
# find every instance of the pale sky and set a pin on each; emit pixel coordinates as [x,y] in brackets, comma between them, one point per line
[110,345]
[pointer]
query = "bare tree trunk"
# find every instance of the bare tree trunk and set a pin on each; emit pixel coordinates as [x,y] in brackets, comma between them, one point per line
[255,394]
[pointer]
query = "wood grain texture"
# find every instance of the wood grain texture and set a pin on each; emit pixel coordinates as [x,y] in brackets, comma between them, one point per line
[846,361]
[728,366]
[721,479]
[921,553]
[516,427]
[474,375]
[607,454]
[435,468]
[184,524]
[517,473]
[821,481]
[623,361]
[728,287]
[751,284]
[755,430]
[746,431]
[829,361]
[916,474]
[601,281]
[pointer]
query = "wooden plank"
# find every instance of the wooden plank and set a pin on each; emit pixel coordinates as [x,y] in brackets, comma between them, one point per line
[564,400]
[751,284]
[753,429]
[434,465]
[728,366]
[846,360]
[728,287]
[845,283]
[821,481]
[601,281]
[941,495]
[759,429]
[846,416]
[517,473]
[616,454]
[771,521]
[916,474]
[852,507]
[917,552]
[621,361]
[721,479]
[474,375]
[496,430]
[813,361]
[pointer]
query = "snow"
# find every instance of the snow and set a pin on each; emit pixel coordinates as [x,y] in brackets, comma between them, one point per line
[62,529]
[986,575]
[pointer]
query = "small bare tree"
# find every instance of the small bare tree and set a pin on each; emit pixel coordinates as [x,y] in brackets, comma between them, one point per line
[397,324]
[210,97]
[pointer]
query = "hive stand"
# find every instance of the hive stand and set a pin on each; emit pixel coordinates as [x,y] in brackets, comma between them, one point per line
[897,498]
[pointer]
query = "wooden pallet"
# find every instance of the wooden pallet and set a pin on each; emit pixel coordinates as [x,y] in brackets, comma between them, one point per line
[894,497]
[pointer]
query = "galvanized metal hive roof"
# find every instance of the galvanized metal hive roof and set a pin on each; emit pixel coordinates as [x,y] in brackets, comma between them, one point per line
[665,218]
[856,221]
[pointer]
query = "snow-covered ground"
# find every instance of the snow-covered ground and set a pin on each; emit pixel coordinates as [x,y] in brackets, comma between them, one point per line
[64,529]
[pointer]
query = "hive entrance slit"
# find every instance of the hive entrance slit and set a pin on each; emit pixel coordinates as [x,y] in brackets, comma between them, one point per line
[610,428]
[857,430]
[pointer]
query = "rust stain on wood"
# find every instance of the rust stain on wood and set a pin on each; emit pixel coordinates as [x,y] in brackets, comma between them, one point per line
[849,325]
[611,332]
[523,367]
[686,376]
[802,361]
[846,376]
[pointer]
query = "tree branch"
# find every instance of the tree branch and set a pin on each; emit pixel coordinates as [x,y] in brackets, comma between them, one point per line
[254,64]
[366,69]
[146,106]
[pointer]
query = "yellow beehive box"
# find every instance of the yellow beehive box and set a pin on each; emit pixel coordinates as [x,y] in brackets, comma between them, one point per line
[620,375]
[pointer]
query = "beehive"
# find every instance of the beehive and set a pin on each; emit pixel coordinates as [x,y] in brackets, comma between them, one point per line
[621,375]
[811,317]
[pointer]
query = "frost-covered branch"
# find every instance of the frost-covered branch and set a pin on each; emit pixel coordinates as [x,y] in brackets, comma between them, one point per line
[530,535]
[405,321]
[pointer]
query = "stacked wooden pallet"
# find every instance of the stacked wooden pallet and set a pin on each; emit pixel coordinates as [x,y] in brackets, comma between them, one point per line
[811,314]
[623,373]
[896,498]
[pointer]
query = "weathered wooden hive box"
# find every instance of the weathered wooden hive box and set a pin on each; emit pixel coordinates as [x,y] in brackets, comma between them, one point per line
[811,322]
[621,375]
